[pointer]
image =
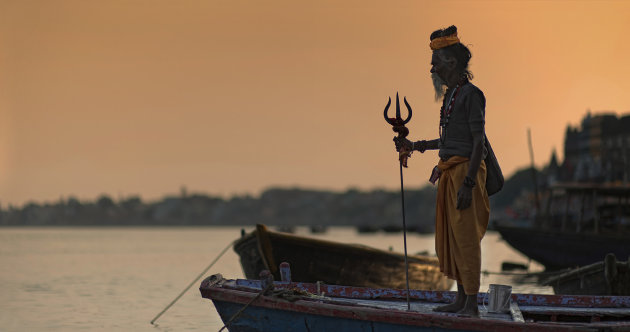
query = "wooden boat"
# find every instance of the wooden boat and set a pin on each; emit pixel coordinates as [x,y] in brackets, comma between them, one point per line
[580,224]
[557,250]
[313,260]
[607,277]
[244,306]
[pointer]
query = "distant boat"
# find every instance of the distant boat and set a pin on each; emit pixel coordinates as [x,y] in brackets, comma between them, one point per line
[580,224]
[367,228]
[424,228]
[286,228]
[313,260]
[392,228]
[420,229]
[318,229]
[302,307]
[608,277]
[558,250]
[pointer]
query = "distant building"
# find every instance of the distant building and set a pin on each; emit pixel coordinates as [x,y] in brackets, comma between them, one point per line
[597,151]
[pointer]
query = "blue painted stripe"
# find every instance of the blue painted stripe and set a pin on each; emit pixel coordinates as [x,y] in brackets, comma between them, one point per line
[260,319]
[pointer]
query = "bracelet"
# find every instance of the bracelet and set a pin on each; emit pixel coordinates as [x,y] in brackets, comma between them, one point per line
[413,145]
[469,182]
[423,146]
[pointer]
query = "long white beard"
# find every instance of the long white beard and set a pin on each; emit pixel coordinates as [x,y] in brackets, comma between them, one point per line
[439,85]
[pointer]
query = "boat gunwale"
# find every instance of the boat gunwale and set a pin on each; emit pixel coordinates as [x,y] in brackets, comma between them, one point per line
[573,301]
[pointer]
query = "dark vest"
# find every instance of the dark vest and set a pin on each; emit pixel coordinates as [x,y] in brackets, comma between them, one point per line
[467,117]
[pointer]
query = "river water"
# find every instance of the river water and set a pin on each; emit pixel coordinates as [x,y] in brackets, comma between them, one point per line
[118,279]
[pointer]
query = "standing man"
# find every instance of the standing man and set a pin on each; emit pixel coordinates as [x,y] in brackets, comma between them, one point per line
[462,207]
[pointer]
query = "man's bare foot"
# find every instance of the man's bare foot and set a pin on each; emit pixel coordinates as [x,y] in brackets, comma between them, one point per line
[470,308]
[456,306]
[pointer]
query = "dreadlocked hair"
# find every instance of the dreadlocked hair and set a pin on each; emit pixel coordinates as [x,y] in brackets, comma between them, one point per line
[459,51]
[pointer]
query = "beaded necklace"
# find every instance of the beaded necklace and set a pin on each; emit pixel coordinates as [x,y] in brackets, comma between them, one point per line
[445,113]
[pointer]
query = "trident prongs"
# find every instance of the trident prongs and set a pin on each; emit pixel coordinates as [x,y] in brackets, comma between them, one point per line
[389,102]
[397,107]
[408,108]
[398,125]
[397,121]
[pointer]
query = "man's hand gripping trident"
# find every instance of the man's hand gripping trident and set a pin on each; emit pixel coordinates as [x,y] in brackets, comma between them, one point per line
[403,145]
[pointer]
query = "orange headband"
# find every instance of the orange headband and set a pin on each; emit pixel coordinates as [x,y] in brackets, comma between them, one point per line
[442,42]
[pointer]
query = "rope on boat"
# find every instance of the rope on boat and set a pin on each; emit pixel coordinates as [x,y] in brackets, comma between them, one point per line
[240,311]
[193,282]
[291,295]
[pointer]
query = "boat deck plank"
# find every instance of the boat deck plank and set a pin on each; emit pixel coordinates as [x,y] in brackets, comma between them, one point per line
[415,306]
[618,312]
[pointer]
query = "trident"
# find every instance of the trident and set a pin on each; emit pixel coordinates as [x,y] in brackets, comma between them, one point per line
[398,125]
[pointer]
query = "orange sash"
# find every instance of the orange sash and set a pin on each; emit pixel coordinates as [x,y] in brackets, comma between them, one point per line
[458,233]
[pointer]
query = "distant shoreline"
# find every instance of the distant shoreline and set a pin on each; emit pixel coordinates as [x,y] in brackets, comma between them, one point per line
[274,207]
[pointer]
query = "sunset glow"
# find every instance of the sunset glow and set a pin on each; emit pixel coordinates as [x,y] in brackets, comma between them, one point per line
[233,97]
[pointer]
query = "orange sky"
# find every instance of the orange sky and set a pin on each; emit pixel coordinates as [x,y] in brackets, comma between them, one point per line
[231,97]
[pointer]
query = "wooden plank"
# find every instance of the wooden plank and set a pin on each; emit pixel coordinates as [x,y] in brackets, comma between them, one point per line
[616,312]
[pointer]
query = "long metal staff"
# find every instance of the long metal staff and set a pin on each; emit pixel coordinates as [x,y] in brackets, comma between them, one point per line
[398,125]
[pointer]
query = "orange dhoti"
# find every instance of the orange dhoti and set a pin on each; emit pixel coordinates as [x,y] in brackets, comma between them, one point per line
[458,233]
